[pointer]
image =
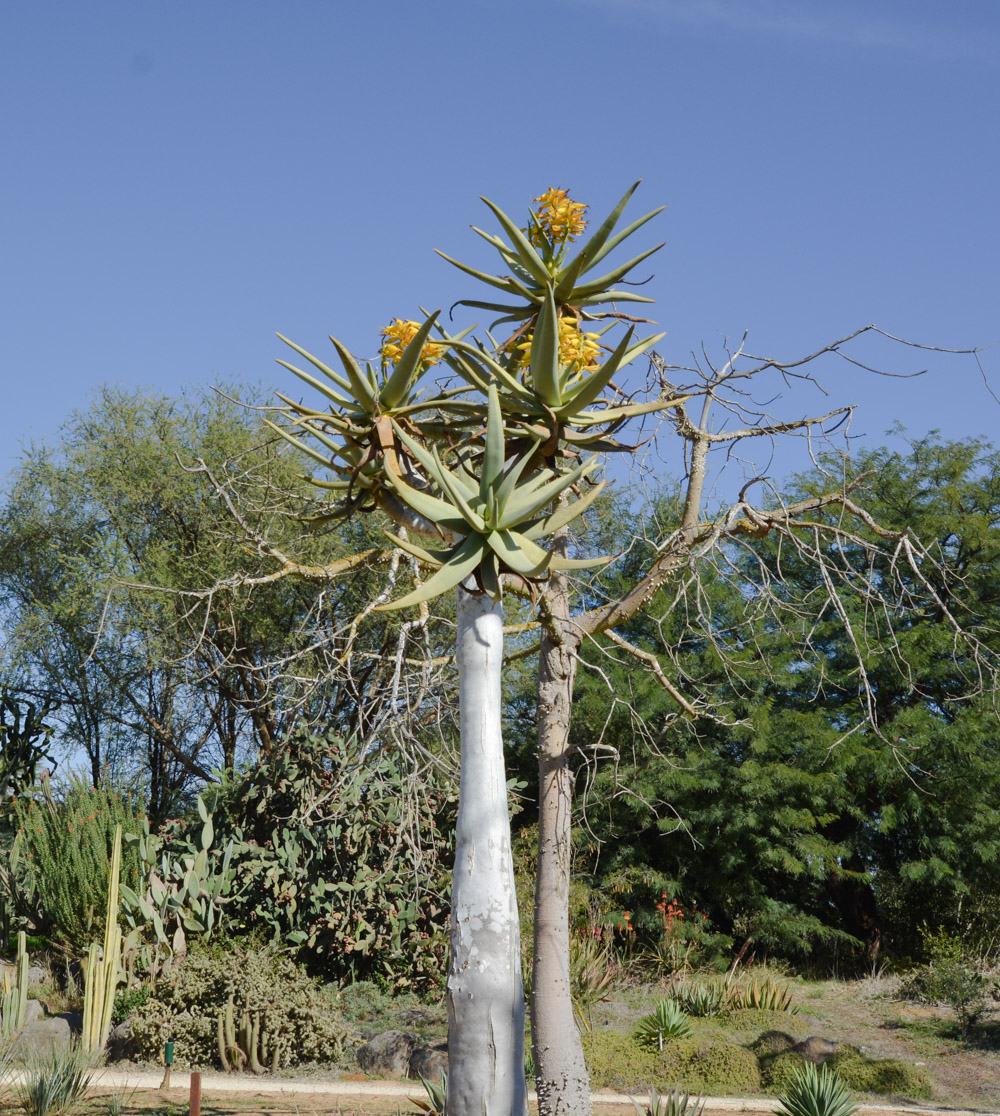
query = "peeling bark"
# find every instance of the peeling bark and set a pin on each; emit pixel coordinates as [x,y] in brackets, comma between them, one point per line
[485,989]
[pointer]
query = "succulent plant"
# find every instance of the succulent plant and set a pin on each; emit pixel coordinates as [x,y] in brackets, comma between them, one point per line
[666,1021]
[817,1092]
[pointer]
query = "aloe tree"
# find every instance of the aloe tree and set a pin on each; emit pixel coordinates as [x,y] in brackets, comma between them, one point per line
[488,474]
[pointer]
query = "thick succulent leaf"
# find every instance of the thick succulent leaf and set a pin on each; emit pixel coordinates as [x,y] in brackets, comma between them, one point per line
[564,514]
[489,575]
[613,414]
[523,506]
[545,353]
[496,371]
[503,283]
[518,553]
[611,277]
[430,507]
[456,491]
[530,259]
[434,468]
[361,389]
[462,561]
[610,296]
[316,363]
[588,254]
[498,307]
[610,245]
[399,383]
[509,483]
[300,446]
[558,563]
[494,452]
[430,557]
[333,396]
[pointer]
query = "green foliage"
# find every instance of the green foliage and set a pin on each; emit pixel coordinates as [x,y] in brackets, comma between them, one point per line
[437,1096]
[128,1001]
[63,855]
[760,995]
[780,1070]
[15,994]
[592,969]
[952,976]
[665,1022]
[55,1084]
[700,999]
[817,1093]
[883,1076]
[615,1061]
[340,852]
[674,1103]
[188,1003]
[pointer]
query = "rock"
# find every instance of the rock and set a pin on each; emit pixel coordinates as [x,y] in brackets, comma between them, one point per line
[34,1010]
[815,1049]
[387,1054]
[121,1044]
[429,1062]
[42,1038]
[38,975]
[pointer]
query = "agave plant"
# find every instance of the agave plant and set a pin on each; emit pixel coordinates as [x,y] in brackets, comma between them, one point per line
[764,995]
[817,1092]
[674,1103]
[496,519]
[437,1096]
[591,973]
[56,1083]
[666,1021]
[702,1000]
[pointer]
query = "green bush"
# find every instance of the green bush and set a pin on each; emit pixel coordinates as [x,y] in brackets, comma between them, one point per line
[886,1076]
[694,1064]
[779,1072]
[753,1021]
[615,1062]
[952,976]
[62,855]
[296,1016]
[341,853]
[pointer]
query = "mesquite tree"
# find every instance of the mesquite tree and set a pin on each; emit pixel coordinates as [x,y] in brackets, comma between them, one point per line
[484,473]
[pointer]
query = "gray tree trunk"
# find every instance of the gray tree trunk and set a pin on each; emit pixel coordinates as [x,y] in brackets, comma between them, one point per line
[561,1077]
[485,988]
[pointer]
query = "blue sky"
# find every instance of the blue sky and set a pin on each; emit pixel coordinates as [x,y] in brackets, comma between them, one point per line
[182,179]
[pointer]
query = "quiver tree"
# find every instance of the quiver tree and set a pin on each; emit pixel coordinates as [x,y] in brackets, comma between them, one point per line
[488,474]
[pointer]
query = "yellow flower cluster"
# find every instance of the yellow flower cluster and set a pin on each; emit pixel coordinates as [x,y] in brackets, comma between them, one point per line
[399,333]
[559,218]
[579,352]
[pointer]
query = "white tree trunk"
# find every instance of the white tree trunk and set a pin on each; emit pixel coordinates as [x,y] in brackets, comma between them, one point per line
[485,989]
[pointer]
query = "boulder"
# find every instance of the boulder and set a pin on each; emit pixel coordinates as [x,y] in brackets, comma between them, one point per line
[429,1062]
[121,1044]
[42,1038]
[387,1054]
[815,1049]
[34,1010]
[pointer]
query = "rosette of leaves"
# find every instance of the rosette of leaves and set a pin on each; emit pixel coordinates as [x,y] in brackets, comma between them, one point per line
[357,430]
[496,517]
[666,1021]
[817,1092]
[540,265]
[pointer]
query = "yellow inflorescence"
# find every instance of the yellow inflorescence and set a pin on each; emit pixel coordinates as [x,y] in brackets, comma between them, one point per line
[578,351]
[399,333]
[559,218]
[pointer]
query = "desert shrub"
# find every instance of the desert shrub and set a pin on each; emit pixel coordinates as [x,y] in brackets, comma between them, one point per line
[62,856]
[952,976]
[298,1019]
[771,1042]
[886,1076]
[720,1067]
[127,1001]
[345,855]
[615,1062]
[779,1071]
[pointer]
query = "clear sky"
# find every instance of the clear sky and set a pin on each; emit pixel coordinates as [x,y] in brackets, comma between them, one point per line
[181,179]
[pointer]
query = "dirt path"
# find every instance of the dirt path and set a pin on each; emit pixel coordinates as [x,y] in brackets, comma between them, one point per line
[264,1096]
